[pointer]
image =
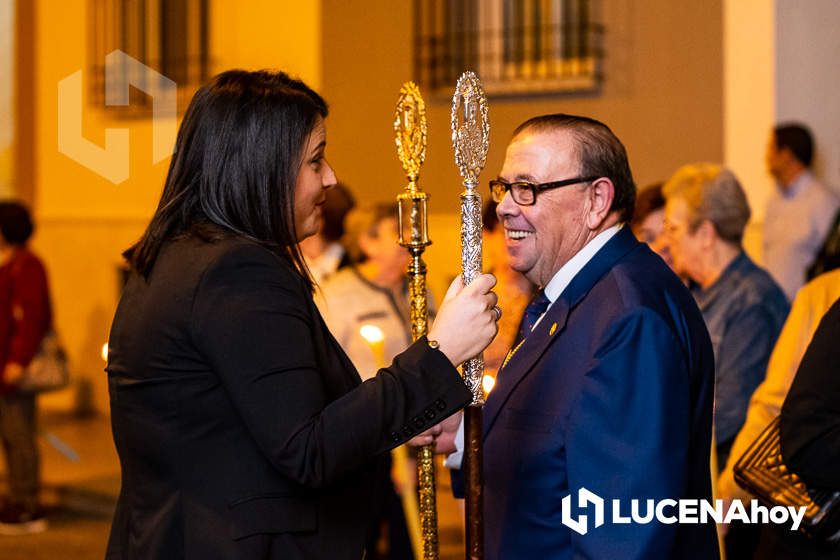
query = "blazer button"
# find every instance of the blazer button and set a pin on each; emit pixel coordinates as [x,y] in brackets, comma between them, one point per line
[418,422]
[440,404]
[429,414]
[395,436]
[406,431]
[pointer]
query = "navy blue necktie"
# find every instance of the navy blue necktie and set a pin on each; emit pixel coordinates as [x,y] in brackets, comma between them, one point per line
[533,312]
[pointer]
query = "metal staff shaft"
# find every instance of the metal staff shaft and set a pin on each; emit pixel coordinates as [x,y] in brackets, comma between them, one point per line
[470,139]
[410,128]
[473,370]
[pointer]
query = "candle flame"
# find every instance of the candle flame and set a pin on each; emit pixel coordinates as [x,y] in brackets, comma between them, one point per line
[488,382]
[105,352]
[372,334]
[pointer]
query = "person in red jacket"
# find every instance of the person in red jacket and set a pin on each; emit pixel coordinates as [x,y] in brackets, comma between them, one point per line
[25,317]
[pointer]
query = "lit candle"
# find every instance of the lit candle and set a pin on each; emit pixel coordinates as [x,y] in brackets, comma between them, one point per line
[375,339]
[488,382]
[403,469]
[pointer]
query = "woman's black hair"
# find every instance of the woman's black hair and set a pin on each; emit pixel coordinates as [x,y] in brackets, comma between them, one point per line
[15,223]
[235,165]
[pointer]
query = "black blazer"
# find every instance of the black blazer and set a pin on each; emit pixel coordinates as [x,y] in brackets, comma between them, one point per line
[243,430]
[809,427]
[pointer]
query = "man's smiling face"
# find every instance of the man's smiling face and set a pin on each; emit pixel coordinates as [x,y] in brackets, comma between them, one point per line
[542,238]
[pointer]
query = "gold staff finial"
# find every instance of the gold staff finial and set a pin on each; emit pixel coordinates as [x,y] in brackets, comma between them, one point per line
[410,126]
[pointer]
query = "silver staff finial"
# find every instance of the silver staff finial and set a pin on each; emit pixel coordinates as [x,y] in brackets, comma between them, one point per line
[470,127]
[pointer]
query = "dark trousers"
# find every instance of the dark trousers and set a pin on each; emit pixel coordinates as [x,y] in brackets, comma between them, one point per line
[17,432]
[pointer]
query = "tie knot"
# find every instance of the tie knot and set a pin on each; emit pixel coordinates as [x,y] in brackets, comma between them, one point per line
[538,305]
[533,312]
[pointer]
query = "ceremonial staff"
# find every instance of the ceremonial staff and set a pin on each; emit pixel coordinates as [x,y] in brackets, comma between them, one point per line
[410,128]
[470,139]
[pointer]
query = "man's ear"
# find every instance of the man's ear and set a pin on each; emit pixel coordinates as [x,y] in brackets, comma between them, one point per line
[601,195]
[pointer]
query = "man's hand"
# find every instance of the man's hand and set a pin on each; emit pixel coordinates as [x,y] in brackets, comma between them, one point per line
[12,373]
[442,435]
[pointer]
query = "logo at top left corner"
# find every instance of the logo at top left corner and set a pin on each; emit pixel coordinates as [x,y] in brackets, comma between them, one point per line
[121,72]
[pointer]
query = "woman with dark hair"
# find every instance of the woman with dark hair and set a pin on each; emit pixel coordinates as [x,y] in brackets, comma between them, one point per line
[25,317]
[648,220]
[243,429]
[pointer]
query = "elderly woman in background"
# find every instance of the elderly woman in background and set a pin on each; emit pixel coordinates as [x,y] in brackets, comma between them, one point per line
[25,318]
[243,429]
[706,211]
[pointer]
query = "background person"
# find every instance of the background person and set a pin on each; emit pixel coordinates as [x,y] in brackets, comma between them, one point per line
[648,223]
[799,212]
[374,291]
[25,317]
[324,253]
[706,212]
[243,430]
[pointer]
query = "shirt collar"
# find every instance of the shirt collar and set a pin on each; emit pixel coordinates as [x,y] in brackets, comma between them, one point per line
[563,277]
[797,184]
[325,264]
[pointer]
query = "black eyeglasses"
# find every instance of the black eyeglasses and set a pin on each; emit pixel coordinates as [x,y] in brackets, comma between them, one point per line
[525,193]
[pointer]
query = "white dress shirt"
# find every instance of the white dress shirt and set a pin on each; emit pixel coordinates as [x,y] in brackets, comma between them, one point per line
[795,226]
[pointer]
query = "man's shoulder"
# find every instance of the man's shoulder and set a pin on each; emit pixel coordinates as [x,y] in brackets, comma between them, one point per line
[819,195]
[642,279]
[641,285]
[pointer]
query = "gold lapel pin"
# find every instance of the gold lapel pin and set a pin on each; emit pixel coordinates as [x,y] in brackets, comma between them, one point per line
[553,329]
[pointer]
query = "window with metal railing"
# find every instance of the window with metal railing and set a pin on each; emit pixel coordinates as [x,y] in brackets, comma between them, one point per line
[515,46]
[169,36]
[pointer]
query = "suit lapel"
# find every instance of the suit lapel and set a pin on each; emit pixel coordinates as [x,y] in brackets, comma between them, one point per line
[522,359]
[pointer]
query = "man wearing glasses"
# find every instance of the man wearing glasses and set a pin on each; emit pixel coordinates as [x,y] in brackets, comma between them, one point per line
[609,387]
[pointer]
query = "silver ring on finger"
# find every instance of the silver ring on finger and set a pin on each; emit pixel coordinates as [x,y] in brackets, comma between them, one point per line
[498,311]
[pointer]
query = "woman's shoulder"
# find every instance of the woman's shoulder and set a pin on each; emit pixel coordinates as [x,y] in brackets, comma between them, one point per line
[27,262]
[247,261]
[192,258]
[209,246]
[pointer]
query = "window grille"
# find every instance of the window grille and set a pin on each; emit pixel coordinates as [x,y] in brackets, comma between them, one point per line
[515,46]
[169,36]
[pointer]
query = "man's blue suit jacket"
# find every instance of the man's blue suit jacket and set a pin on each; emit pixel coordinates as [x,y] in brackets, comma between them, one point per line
[611,392]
